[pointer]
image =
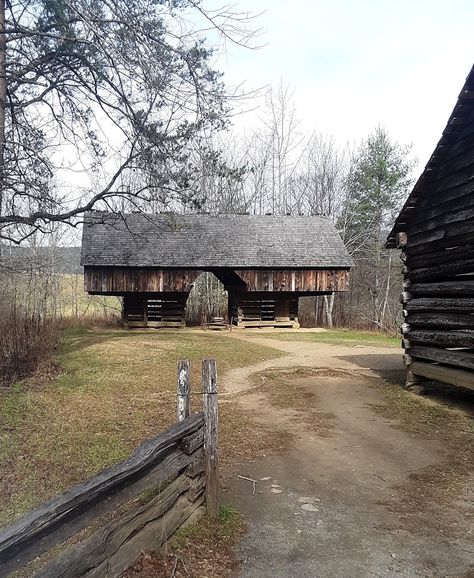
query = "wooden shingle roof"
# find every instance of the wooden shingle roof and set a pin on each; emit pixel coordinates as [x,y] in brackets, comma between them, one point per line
[211,241]
[458,134]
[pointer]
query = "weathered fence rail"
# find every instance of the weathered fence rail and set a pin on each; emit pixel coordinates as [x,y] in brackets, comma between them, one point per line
[134,505]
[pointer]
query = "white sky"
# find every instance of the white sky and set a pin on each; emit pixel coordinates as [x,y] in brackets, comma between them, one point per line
[356,64]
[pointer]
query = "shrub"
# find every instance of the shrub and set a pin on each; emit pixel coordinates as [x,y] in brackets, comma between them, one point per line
[26,340]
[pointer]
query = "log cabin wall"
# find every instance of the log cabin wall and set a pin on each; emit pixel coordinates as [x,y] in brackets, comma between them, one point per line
[435,231]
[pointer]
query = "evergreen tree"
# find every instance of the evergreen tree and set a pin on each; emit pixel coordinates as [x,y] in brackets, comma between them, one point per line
[378,183]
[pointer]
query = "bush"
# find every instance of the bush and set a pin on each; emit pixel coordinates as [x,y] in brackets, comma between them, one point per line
[26,340]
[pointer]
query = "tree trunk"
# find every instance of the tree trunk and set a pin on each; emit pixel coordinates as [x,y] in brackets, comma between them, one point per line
[3,98]
[328,307]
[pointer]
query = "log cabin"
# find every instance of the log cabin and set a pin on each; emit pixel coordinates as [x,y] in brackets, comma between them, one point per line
[264,262]
[435,231]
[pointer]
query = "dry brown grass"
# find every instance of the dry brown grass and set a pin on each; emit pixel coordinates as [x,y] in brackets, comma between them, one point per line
[284,390]
[27,343]
[429,491]
[115,390]
[204,549]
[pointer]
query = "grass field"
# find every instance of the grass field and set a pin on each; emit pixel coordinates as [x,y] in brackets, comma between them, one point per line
[113,390]
[344,336]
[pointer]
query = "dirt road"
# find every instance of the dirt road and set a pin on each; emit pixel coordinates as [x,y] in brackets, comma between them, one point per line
[345,501]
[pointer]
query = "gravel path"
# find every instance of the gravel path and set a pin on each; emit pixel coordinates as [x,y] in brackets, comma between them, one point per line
[328,508]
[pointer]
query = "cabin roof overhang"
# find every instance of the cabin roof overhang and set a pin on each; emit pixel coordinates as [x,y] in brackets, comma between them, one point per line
[459,124]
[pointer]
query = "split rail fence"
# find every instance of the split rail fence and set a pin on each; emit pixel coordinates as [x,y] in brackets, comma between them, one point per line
[130,507]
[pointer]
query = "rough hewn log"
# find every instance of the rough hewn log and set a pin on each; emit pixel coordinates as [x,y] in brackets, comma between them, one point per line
[463,359]
[446,195]
[405,296]
[423,215]
[402,240]
[191,443]
[435,304]
[184,383]
[441,338]
[412,380]
[459,377]
[211,452]
[448,218]
[28,533]
[460,239]
[439,257]
[113,548]
[443,233]
[441,320]
[443,271]
[447,288]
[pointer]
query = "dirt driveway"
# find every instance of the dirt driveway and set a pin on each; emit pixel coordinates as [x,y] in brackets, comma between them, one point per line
[352,497]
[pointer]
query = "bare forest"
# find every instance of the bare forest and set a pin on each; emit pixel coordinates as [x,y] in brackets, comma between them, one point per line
[144,71]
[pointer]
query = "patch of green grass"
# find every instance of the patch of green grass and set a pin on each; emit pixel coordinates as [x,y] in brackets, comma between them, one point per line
[338,336]
[227,527]
[115,389]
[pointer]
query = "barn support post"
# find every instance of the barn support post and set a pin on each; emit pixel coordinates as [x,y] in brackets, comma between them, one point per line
[211,430]
[184,386]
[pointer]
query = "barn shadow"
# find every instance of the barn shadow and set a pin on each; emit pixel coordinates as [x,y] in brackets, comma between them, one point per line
[391,369]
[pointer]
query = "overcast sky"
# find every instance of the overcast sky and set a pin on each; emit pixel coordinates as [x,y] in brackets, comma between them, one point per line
[355,64]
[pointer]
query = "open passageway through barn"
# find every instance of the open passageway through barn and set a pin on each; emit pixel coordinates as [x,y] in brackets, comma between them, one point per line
[357,494]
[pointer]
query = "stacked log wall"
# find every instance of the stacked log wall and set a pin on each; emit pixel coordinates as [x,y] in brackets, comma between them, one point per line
[438,256]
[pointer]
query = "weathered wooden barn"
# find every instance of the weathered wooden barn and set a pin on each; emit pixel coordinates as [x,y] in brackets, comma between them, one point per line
[435,231]
[264,262]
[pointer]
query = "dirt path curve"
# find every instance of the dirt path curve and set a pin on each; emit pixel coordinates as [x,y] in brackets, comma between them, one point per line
[328,507]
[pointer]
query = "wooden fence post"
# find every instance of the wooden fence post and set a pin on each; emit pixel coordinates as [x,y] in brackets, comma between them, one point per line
[182,397]
[211,423]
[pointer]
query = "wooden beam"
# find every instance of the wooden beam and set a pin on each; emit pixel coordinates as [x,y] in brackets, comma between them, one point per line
[73,504]
[441,320]
[441,338]
[211,432]
[462,359]
[184,384]
[442,271]
[461,304]
[447,288]
[458,377]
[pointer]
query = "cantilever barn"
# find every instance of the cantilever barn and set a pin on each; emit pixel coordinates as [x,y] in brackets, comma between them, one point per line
[265,263]
[435,231]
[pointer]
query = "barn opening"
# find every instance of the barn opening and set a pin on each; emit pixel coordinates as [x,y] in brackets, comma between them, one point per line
[263,263]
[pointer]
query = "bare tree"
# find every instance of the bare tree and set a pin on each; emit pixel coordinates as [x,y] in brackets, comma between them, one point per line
[101,90]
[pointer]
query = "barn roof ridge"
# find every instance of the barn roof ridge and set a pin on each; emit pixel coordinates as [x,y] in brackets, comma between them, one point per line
[200,240]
